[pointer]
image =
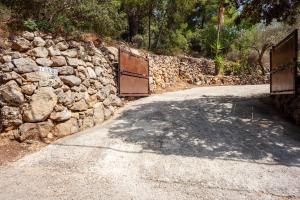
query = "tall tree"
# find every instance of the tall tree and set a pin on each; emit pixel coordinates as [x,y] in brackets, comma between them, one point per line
[267,10]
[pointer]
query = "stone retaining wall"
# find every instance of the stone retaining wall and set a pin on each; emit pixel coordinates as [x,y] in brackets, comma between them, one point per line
[51,87]
[289,105]
[166,70]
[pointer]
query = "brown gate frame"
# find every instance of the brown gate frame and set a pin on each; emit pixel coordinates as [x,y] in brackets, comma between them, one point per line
[283,67]
[134,76]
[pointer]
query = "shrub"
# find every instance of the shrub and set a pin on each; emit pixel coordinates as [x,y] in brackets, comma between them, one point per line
[138,41]
[5,13]
[31,25]
[219,63]
[204,39]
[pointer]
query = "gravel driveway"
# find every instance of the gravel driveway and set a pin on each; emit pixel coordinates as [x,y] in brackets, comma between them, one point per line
[203,143]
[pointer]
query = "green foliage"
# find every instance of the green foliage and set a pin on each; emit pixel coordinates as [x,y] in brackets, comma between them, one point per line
[268,10]
[217,47]
[219,64]
[30,25]
[5,13]
[204,40]
[139,41]
[171,26]
[251,45]
[100,17]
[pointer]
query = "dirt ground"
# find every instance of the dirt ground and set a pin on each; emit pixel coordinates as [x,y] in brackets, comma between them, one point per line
[11,150]
[180,85]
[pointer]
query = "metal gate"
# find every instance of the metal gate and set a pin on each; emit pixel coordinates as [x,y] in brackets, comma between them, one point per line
[283,60]
[133,74]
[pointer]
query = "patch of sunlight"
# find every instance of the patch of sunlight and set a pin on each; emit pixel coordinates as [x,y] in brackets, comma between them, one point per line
[233,153]
[279,144]
[170,134]
[246,120]
[197,142]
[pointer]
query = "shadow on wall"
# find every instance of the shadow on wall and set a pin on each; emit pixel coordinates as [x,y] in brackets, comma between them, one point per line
[212,127]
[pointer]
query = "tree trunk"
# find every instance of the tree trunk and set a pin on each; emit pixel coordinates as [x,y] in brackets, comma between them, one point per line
[133,25]
[149,28]
[261,56]
[203,19]
[260,62]
[220,23]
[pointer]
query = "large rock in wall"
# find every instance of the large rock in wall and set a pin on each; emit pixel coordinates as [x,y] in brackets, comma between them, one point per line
[53,87]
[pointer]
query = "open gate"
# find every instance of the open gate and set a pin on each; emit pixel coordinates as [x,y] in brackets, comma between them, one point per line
[133,74]
[283,59]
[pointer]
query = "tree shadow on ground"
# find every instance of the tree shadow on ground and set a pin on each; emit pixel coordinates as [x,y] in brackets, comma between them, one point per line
[212,127]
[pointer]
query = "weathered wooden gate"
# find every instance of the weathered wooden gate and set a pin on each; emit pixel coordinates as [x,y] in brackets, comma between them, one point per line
[133,74]
[283,60]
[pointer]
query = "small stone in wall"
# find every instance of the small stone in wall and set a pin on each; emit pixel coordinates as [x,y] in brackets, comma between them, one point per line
[28,89]
[53,81]
[11,117]
[89,64]
[91,73]
[75,62]
[113,51]
[79,106]
[104,81]
[58,61]
[27,131]
[87,122]
[92,100]
[91,91]
[45,62]
[66,98]
[116,101]
[25,65]
[39,42]
[11,93]
[61,116]
[49,43]
[62,46]
[7,67]
[80,88]
[9,76]
[71,53]
[98,113]
[28,35]
[66,128]
[71,80]
[15,55]
[99,71]
[6,59]
[59,39]
[39,52]
[53,51]
[20,44]
[45,128]
[65,70]
[107,113]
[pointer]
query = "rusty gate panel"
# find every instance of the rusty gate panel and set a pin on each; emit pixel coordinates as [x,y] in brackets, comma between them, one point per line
[133,74]
[283,60]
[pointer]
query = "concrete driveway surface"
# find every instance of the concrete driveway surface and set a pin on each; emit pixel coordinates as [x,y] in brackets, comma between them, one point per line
[203,143]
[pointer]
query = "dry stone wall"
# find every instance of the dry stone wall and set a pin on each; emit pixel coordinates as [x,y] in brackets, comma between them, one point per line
[51,87]
[289,105]
[166,70]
